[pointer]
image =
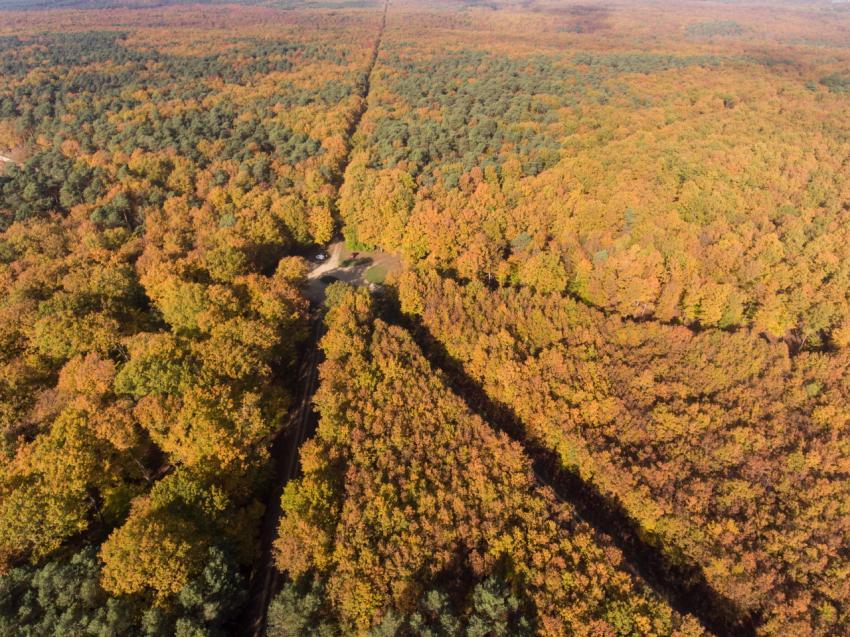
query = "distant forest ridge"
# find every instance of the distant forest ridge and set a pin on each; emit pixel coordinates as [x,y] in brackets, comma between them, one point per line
[150,4]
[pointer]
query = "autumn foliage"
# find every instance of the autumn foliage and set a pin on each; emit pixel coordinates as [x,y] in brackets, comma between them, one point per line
[691,179]
[404,487]
[624,226]
[727,450]
[150,304]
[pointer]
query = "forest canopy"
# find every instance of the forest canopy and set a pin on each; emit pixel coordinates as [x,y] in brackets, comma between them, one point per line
[464,318]
[152,304]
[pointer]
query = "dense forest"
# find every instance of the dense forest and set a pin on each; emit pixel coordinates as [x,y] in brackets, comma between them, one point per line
[388,533]
[151,311]
[520,169]
[728,451]
[618,241]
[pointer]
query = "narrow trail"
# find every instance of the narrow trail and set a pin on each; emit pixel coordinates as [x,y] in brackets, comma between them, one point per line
[265,579]
[365,90]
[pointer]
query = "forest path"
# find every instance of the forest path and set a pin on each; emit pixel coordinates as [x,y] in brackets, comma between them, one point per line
[329,265]
[265,579]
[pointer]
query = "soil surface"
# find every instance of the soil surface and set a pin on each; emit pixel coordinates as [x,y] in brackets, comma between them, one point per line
[346,265]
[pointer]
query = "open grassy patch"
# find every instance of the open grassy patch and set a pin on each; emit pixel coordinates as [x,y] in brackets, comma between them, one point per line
[376,274]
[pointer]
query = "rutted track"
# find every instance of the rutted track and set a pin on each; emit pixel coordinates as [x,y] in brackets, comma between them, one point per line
[265,579]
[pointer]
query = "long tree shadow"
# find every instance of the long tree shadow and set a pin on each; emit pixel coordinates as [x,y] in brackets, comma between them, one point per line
[683,585]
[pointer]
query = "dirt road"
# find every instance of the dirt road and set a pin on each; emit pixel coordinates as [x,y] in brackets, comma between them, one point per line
[265,579]
[355,268]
